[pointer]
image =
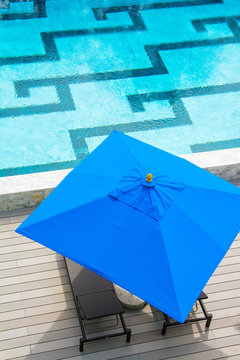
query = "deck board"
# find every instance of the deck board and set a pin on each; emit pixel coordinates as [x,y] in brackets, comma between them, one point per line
[38,316]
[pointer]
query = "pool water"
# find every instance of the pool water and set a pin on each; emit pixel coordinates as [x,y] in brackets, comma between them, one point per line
[167,73]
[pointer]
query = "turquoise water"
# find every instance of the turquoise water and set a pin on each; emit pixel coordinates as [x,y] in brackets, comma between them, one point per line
[166,72]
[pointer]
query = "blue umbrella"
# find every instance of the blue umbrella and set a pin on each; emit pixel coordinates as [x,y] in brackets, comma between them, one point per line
[147,220]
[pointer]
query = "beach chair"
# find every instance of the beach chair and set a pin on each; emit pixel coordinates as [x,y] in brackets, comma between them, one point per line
[94,297]
[206,316]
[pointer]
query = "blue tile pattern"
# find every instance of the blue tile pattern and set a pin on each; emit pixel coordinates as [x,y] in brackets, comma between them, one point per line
[165,72]
[23,9]
[217,145]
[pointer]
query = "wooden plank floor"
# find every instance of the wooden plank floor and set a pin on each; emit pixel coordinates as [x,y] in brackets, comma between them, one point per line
[38,317]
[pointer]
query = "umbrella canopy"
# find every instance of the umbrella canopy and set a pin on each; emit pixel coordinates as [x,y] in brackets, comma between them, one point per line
[147,220]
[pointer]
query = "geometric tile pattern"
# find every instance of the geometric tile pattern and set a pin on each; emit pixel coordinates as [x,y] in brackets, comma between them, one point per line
[166,73]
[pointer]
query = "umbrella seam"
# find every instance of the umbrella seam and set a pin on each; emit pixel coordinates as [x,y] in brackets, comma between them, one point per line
[205,282]
[53,216]
[137,162]
[216,190]
[170,272]
[173,201]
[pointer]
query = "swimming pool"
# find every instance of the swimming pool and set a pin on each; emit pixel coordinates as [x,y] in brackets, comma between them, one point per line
[165,72]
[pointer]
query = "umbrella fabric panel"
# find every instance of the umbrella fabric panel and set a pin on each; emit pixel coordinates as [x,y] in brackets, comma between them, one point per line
[118,242]
[69,194]
[216,212]
[93,178]
[189,250]
[197,240]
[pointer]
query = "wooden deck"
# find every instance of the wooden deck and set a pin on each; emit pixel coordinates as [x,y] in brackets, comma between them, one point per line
[38,317]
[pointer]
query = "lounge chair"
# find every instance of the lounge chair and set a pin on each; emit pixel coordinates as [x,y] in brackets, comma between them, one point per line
[207,316]
[94,297]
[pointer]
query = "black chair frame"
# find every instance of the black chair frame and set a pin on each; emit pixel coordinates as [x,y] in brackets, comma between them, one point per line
[82,317]
[207,316]
[85,338]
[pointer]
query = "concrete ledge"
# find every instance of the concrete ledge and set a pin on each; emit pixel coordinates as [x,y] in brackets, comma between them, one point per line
[29,190]
[223,163]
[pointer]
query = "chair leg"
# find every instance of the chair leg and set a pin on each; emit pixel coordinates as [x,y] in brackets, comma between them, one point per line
[129,332]
[81,344]
[84,337]
[165,324]
[164,328]
[209,319]
[206,314]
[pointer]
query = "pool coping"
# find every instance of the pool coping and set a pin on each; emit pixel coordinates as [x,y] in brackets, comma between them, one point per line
[23,191]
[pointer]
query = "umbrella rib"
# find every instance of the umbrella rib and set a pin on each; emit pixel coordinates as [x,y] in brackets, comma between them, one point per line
[170,272]
[203,230]
[137,162]
[209,235]
[54,216]
[234,193]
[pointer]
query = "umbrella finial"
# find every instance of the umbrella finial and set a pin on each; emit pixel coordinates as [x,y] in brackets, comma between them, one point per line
[149,178]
